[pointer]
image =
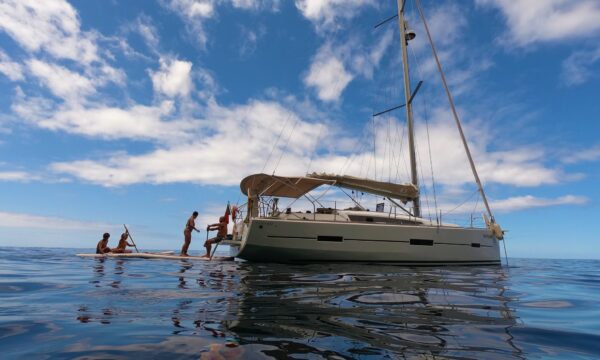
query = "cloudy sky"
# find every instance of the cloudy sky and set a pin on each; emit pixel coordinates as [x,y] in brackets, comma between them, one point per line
[140,112]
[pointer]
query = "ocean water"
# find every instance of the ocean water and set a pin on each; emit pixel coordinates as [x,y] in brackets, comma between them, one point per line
[56,305]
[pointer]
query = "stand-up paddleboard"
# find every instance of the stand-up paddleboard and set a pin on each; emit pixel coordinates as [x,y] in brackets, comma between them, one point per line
[167,255]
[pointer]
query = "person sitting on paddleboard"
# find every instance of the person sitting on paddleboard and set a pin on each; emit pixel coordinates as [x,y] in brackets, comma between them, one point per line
[221,228]
[187,233]
[123,244]
[102,247]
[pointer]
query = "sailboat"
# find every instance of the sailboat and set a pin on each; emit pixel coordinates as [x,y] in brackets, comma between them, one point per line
[267,234]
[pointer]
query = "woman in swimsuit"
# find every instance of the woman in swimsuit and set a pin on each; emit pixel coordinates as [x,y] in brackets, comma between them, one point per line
[187,233]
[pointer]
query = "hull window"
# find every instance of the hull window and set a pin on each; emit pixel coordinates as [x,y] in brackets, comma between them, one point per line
[421,242]
[330,238]
[475,245]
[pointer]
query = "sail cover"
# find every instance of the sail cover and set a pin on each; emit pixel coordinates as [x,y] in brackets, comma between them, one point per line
[284,186]
[403,192]
[295,187]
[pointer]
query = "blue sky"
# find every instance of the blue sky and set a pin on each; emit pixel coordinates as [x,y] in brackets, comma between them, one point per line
[141,112]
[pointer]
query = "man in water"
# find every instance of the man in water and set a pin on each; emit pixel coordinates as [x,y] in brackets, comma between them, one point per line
[102,246]
[123,244]
[187,233]
[221,228]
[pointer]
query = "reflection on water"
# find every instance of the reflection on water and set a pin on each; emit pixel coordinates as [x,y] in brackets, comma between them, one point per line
[365,310]
[67,307]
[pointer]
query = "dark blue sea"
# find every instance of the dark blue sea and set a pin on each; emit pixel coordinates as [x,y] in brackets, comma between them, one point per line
[56,305]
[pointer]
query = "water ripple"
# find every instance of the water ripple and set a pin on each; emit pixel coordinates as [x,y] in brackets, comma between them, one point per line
[61,306]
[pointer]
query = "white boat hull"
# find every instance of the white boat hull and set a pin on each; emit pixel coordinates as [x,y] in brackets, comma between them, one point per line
[277,240]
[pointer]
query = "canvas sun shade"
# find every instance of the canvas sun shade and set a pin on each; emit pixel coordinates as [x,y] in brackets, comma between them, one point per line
[403,192]
[295,187]
[283,186]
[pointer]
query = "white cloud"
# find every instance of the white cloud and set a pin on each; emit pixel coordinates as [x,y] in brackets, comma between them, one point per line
[19,176]
[196,12]
[517,203]
[250,38]
[51,25]
[334,66]
[328,75]
[146,29]
[11,69]
[576,68]
[576,156]
[326,14]
[517,166]
[229,143]
[173,78]
[194,8]
[29,221]
[234,142]
[528,201]
[363,60]
[245,4]
[548,20]
[73,86]
[272,5]
[61,81]
[135,122]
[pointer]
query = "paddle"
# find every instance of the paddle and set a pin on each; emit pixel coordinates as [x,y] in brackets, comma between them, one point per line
[214,251]
[128,233]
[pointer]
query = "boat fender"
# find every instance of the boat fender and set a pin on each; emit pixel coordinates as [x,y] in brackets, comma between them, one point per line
[494,228]
[497,231]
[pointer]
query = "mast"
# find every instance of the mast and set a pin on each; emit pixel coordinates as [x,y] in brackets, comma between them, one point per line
[404,37]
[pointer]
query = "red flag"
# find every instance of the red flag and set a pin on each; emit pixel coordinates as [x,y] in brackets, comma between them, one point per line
[234,211]
[227,212]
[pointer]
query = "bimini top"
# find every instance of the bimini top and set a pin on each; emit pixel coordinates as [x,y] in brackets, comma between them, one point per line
[295,187]
[284,186]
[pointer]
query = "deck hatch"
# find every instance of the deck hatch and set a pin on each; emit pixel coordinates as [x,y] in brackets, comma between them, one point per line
[330,238]
[423,242]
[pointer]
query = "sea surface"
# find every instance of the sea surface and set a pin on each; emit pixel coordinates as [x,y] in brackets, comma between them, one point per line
[54,304]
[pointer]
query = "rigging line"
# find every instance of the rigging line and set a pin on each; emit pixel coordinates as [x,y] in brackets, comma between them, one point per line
[393,161]
[426,113]
[400,206]
[404,130]
[464,202]
[312,154]
[430,155]
[386,147]
[276,141]
[475,207]
[374,150]
[401,136]
[351,198]
[385,21]
[424,187]
[369,158]
[323,194]
[287,144]
[389,132]
[349,160]
[455,114]
[505,253]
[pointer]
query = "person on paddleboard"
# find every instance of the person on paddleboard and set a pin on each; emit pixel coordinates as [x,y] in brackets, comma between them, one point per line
[123,244]
[102,246]
[221,228]
[187,233]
